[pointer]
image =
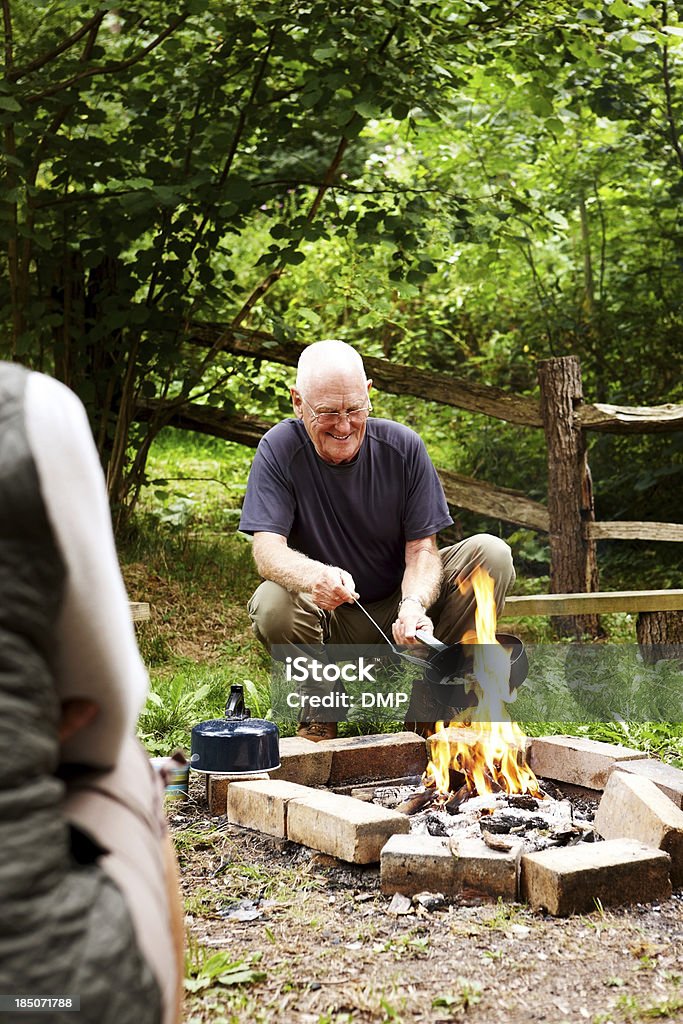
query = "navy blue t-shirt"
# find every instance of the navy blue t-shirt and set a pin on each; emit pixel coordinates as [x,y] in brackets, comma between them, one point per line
[358,515]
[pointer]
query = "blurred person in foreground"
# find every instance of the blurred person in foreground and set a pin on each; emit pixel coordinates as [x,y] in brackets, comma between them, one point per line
[88,878]
[344,506]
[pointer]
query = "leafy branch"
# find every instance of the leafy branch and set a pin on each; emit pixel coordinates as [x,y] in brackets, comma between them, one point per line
[112,68]
[14,74]
[668,92]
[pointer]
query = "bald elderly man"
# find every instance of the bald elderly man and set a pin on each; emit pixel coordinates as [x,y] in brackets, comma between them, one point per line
[345,506]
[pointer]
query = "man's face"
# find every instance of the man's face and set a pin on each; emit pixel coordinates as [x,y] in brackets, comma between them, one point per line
[339,441]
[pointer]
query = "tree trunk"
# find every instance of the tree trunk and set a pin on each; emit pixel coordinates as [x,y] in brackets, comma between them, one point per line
[573,562]
[660,635]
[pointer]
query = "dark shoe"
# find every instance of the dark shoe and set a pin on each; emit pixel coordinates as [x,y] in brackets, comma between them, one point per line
[317,731]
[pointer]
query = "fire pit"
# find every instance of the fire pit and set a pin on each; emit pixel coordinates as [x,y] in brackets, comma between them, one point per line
[503,821]
[478,783]
[479,823]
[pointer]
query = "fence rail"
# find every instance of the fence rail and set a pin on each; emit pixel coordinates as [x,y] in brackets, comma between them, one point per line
[447,389]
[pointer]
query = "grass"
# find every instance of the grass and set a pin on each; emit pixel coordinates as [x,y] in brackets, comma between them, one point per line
[182,554]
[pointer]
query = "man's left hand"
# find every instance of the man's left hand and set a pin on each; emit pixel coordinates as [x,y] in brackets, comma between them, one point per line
[410,619]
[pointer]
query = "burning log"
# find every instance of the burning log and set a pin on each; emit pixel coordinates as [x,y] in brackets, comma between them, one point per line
[503,823]
[522,801]
[418,801]
[454,801]
[435,826]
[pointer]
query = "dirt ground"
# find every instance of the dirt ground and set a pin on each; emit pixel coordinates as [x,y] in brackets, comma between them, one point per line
[306,939]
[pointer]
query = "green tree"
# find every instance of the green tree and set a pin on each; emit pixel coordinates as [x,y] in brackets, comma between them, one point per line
[140,146]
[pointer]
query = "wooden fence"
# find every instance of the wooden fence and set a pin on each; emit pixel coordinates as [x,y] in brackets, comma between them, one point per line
[569,516]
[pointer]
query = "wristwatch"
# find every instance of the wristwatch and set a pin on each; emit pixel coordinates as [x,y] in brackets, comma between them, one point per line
[414,599]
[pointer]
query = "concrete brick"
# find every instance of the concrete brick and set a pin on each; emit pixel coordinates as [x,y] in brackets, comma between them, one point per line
[665,776]
[341,826]
[217,790]
[410,864]
[263,805]
[569,879]
[487,871]
[303,761]
[357,758]
[413,863]
[577,760]
[632,807]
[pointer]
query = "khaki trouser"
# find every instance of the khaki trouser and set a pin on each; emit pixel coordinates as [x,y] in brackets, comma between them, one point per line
[280,617]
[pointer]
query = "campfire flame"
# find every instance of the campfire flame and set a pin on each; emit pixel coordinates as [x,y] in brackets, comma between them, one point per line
[483,742]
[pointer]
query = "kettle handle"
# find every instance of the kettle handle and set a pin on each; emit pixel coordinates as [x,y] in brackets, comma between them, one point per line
[235,707]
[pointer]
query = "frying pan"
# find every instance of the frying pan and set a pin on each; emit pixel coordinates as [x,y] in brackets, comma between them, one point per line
[447,664]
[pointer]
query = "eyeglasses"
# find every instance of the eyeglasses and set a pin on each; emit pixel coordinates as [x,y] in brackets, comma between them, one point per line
[328,419]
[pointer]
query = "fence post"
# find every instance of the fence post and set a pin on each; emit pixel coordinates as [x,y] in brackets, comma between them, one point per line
[660,635]
[573,562]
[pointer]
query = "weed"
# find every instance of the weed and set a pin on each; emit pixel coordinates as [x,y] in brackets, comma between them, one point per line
[196,838]
[202,902]
[411,945]
[667,1009]
[469,995]
[503,915]
[213,969]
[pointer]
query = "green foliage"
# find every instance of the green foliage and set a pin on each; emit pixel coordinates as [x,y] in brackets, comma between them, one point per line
[141,147]
[601,686]
[503,185]
[218,969]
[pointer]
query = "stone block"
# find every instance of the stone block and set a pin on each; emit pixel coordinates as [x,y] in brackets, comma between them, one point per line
[262,805]
[480,869]
[570,879]
[303,761]
[665,776]
[217,790]
[410,864]
[414,863]
[577,760]
[390,755]
[632,807]
[341,826]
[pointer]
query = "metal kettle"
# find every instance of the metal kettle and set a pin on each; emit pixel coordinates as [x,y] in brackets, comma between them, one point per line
[237,744]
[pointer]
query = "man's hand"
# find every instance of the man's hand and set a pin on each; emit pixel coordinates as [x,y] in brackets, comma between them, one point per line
[411,618]
[333,587]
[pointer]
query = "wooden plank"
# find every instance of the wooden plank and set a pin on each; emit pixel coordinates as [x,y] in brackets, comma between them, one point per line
[387,376]
[627,419]
[449,390]
[495,502]
[599,602]
[140,611]
[623,530]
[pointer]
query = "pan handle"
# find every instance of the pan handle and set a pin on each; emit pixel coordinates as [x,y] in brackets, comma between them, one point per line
[430,641]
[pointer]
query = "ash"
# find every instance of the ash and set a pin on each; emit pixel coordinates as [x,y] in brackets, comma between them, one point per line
[503,821]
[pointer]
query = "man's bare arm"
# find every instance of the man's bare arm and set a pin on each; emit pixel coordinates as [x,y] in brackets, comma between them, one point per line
[328,585]
[422,581]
